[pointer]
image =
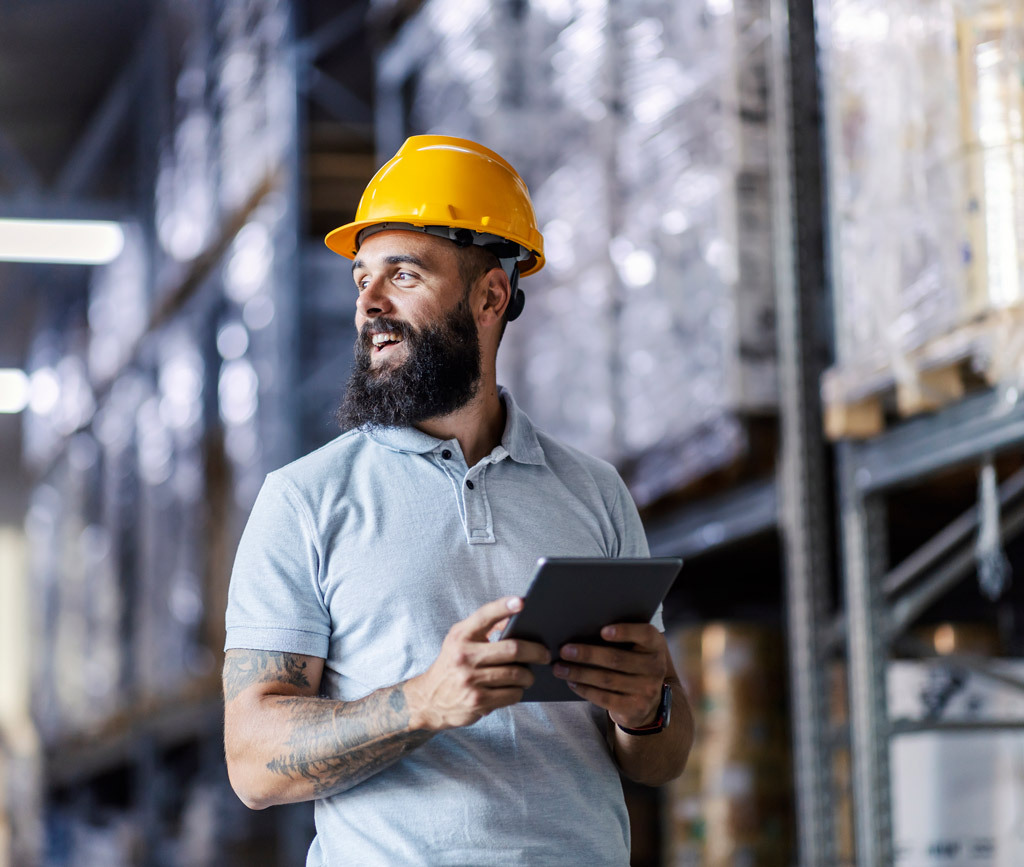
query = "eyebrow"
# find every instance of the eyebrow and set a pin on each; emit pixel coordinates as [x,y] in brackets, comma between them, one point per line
[405,259]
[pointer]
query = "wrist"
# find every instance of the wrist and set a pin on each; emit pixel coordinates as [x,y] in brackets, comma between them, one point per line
[421,716]
[659,720]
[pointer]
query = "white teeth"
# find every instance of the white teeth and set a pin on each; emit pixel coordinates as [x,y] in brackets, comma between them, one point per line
[385,337]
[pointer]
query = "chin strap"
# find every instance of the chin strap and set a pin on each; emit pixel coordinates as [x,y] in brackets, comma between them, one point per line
[508,253]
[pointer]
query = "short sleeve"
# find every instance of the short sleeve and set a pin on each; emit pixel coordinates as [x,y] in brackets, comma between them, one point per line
[631,535]
[274,598]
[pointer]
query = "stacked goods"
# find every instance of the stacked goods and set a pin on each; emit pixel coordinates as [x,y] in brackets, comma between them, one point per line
[895,132]
[989,35]
[842,793]
[733,804]
[692,239]
[641,129]
[927,152]
[684,822]
[957,796]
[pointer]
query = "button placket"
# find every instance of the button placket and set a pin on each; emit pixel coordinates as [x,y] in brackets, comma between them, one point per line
[478,509]
[448,461]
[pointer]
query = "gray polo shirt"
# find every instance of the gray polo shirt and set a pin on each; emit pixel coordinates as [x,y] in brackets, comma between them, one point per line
[365,552]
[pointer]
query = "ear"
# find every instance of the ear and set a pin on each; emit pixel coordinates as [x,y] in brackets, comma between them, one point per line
[496,295]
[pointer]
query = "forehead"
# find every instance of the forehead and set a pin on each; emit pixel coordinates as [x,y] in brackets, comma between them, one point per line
[390,246]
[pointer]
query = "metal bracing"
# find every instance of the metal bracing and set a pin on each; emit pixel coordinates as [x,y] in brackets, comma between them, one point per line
[799,292]
[938,565]
[913,603]
[864,556]
[342,27]
[106,122]
[954,534]
[331,95]
[16,171]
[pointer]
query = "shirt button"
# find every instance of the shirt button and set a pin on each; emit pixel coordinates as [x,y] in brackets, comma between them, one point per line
[446,454]
[469,484]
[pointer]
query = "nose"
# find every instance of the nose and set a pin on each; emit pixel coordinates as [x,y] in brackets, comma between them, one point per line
[374,300]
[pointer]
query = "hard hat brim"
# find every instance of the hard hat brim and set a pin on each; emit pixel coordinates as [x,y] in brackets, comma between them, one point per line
[344,239]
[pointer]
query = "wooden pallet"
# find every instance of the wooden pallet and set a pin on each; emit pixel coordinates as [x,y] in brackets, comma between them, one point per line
[859,399]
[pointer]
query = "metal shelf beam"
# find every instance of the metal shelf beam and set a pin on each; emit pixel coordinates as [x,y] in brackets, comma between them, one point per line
[697,528]
[961,434]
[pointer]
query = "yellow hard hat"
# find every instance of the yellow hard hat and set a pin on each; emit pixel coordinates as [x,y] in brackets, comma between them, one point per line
[450,183]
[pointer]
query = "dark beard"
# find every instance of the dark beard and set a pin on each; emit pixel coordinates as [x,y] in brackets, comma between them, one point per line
[439,375]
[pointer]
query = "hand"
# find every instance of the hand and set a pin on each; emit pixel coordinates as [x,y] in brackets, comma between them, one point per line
[625,681]
[473,675]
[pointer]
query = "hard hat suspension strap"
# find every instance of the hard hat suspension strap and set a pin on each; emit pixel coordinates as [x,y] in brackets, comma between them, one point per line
[508,253]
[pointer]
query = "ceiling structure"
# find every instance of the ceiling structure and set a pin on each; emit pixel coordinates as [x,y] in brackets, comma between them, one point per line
[59,62]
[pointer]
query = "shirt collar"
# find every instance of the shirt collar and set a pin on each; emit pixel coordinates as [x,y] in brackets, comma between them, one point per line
[519,439]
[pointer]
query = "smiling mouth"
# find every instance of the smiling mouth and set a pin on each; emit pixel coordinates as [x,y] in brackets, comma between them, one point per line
[384,339]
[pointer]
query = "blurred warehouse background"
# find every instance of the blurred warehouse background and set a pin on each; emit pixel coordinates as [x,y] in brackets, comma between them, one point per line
[784,296]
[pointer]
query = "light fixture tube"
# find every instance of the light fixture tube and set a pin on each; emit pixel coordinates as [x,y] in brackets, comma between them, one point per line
[81,242]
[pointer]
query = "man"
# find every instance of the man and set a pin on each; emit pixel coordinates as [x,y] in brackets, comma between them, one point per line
[374,574]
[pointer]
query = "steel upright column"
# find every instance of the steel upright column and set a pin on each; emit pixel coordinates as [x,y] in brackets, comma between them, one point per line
[800,296]
[864,555]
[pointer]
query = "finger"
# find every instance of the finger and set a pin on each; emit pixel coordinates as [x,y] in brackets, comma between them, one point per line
[602,678]
[516,650]
[504,697]
[497,629]
[644,635]
[480,622]
[610,701]
[622,659]
[499,676]
[630,711]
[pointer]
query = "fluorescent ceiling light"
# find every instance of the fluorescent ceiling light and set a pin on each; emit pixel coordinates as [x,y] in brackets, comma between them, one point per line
[82,242]
[14,390]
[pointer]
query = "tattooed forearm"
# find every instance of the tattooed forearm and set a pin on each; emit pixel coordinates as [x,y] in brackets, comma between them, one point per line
[334,746]
[242,668]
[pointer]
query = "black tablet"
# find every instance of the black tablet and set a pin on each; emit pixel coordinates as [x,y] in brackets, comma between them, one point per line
[572,599]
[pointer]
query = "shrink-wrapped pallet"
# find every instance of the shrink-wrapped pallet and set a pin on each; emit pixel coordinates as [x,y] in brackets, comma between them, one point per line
[893,102]
[990,37]
[924,104]
[641,131]
[692,237]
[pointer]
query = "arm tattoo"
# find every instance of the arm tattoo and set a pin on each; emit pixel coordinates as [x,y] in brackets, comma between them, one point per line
[336,745]
[242,669]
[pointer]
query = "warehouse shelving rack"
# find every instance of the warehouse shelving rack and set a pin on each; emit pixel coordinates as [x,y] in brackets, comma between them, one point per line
[881,599]
[137,745]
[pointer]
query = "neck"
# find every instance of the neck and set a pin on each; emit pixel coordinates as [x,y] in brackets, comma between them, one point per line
[477,426]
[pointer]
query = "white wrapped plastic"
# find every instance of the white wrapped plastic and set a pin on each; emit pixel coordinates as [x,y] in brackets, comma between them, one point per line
[641,129]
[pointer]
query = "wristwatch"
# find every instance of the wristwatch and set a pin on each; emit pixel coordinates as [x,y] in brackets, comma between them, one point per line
[661,720]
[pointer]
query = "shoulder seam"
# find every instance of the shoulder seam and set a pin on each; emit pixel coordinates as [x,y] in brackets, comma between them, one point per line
[307,518]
